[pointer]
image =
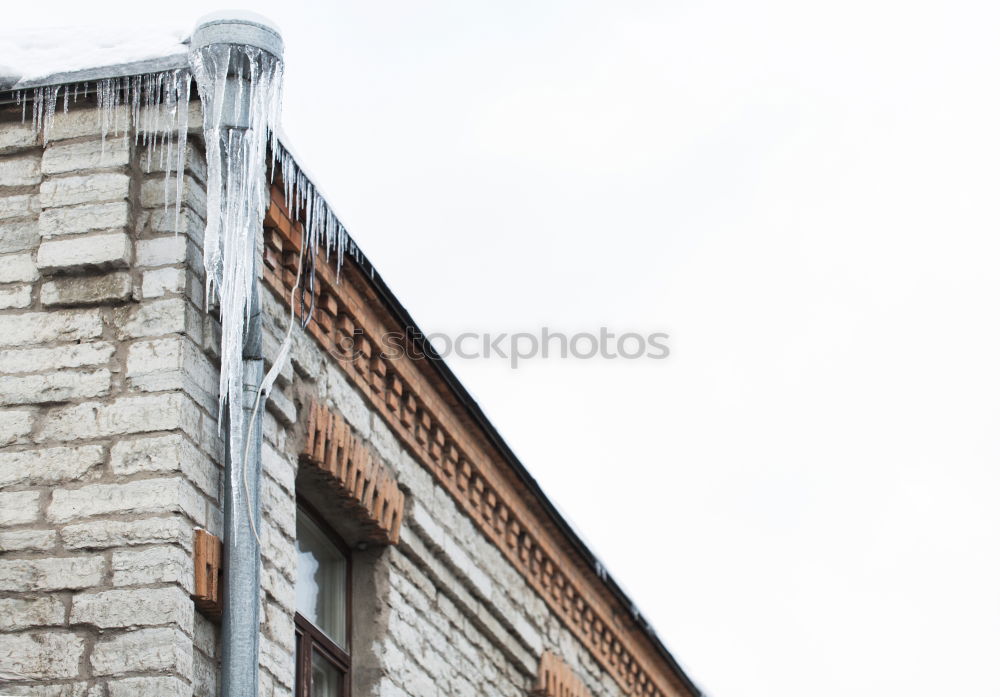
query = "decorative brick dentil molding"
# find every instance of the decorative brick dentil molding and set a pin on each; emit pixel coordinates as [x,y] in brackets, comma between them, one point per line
[556,679]
[357,475]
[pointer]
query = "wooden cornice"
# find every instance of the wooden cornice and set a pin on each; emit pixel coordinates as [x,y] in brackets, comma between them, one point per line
[351,323]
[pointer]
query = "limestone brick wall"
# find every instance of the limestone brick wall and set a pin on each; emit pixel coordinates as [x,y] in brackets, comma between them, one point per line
[108,453]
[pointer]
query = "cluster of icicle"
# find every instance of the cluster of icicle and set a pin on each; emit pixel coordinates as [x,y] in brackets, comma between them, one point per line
[235,149]
[155,107]
[321,227]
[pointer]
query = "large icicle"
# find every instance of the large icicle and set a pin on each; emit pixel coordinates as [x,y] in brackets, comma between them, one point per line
[250,79]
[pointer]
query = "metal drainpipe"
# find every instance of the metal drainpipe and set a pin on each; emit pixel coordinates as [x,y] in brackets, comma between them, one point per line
[241,554]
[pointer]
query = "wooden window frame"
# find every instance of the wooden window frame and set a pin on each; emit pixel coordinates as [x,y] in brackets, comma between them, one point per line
[309,637]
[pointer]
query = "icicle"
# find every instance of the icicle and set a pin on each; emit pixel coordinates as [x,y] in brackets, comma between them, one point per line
[237,195]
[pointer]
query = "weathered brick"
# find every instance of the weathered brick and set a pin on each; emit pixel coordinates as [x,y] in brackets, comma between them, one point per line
[15,424]
[61,689]
[277,467]
[60,158]
[384,441]
[166,316]
[170,453]
[18,236]
[149,687]
[278,507]
[20,171]
[84,122]
[93,252]
[163,495]
[17,136]
[158,282]
[23,613]
[133,608]
[16,268]
[163,564]
[204,635]
[52,574]
[102,534]
[282,407]
[275,548]
[278,587]
[278,661]
[50,465]
[173,363]
[29,360]
[41,655]
[194,162]
[68,291]
[163,649]
[160,251]
[156,356]
[27,540]
[154,194]
[18,507]
[86,218]
[351,404]
[21,206]
[188,223]
[54,387]
[15,297]
[86,188]
[134,414]
[280,625]
[204,677]
[48,327]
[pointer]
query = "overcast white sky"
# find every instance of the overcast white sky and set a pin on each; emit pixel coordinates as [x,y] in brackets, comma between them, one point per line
[803,498]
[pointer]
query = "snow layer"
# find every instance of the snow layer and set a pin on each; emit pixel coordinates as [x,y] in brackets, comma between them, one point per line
[238,15]
[36,53]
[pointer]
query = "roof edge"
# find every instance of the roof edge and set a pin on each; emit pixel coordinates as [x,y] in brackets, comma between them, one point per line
[176,61]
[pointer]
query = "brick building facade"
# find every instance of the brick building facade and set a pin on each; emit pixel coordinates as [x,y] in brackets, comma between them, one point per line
[405,551]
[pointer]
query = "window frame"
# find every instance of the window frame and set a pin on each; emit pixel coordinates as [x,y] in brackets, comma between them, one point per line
[309,637]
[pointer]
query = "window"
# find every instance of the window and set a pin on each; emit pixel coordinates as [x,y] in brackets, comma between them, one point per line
[323,617]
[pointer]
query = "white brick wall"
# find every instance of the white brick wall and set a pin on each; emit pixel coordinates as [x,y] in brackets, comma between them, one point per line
[84,218]
[106,466]
[104,251]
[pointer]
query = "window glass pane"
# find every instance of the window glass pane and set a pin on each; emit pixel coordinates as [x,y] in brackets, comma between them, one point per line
[325,678]
[321,582]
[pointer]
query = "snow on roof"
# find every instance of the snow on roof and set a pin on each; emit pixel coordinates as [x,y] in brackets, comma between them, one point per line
[27,57]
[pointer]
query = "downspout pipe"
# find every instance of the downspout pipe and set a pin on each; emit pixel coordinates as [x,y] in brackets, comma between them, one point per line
[240,579]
